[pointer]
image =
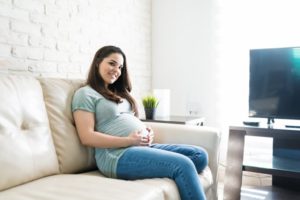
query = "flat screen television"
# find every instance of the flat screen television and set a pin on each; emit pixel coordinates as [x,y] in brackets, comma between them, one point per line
[274,84]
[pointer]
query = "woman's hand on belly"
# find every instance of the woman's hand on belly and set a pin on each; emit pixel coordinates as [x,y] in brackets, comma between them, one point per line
[150,135]
[137,138]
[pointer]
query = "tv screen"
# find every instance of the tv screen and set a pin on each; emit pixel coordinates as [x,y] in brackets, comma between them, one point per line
[274,84]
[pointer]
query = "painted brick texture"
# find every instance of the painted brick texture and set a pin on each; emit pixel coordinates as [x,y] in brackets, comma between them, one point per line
[58,38]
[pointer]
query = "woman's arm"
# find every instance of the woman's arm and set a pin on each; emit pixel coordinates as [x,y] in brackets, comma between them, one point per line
[85,125]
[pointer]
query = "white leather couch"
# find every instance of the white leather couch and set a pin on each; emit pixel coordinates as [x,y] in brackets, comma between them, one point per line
[41,157]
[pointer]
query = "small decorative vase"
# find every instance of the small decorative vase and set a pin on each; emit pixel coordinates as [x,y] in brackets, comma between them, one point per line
[150,113]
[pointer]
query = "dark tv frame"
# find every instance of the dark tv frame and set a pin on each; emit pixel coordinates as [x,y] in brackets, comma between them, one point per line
[270,117]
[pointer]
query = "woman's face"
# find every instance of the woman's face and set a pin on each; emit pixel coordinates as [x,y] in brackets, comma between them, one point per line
[110,68]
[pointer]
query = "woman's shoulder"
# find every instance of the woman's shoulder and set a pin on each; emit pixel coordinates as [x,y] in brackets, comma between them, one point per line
[87,92]
[85,98]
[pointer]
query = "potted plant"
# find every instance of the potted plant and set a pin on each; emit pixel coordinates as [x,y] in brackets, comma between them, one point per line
[150,104]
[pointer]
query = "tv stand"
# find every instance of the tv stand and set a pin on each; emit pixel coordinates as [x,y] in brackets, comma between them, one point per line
[271,121]
[285,165]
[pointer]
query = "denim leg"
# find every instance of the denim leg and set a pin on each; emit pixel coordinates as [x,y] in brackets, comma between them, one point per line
[145,162]
[197,154]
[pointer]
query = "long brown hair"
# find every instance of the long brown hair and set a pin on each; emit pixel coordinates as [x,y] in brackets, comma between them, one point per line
[121,88]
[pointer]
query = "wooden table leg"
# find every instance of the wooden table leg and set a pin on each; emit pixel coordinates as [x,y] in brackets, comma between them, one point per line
[233,173]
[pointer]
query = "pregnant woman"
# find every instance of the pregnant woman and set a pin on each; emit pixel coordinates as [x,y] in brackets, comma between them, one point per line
[106,118]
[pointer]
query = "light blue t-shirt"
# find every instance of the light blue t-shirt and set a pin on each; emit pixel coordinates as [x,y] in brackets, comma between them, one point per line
[110,118]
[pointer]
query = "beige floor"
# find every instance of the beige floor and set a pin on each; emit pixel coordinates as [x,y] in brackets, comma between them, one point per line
[250,179]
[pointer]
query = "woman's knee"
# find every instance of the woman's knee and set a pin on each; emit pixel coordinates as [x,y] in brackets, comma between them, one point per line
[184,164]
[200,159]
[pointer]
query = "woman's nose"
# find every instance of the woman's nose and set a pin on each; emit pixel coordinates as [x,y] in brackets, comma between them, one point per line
[117,69]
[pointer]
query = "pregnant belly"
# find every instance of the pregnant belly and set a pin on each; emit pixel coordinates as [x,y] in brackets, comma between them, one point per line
[123,125]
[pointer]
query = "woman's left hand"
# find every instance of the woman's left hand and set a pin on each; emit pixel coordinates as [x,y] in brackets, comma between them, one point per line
[150,135]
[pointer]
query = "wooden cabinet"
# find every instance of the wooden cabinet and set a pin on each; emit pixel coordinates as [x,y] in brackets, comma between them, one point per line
[285,164]
[197,121]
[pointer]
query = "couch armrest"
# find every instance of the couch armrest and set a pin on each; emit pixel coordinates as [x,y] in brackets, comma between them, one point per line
[206,137]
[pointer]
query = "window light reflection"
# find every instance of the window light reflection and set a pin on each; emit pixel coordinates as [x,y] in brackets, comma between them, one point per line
[254,193]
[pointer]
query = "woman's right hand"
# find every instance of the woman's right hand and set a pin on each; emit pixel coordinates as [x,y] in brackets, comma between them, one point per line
[137,139]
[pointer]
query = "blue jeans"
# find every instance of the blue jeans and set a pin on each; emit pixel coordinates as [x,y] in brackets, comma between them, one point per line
[182,163]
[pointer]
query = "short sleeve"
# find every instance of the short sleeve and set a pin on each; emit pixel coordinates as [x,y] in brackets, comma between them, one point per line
[86,99]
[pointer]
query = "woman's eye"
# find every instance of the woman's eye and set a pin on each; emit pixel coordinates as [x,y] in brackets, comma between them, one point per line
[112,64]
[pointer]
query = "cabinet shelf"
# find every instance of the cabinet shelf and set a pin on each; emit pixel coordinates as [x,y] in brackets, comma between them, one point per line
[189,120]
[274,165]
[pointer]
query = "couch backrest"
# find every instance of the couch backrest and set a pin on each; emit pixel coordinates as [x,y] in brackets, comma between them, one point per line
[72,156]
[26,147]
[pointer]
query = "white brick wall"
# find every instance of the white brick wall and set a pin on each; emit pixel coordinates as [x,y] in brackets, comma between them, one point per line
[58,38]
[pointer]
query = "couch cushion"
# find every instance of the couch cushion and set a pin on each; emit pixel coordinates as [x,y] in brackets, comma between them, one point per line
[73,157]
[89,186]
[27,151]
[93,185]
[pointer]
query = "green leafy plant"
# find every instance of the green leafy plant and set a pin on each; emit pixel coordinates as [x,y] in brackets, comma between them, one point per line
[150,101]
